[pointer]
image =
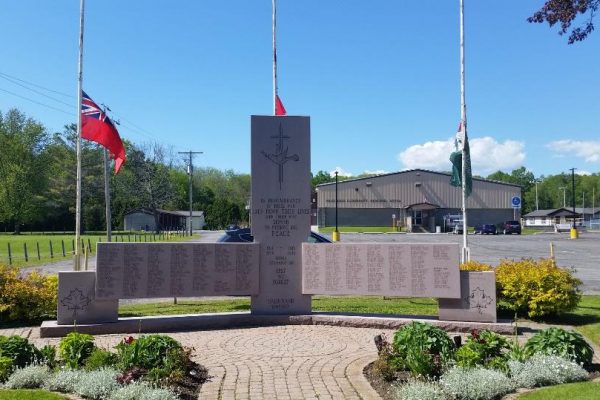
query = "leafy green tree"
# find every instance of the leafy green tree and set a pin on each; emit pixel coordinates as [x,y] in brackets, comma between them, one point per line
[565,12]
[22,168]
[321,177]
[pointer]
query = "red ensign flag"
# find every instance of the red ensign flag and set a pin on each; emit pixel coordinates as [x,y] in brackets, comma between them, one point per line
[97,127]
[279,108]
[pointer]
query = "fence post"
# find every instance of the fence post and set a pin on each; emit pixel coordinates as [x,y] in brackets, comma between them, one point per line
[51,249]
[72,246]
[37,245]
[89,246]
[129,238]
[25,249]
[9,255]
[82,245]
[62,244]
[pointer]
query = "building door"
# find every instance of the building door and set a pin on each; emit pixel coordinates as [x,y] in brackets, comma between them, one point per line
[417,217]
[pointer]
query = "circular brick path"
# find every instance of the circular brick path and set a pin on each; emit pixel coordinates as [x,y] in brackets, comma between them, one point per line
[281,362]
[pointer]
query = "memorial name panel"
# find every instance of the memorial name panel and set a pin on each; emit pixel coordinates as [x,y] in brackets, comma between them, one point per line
[382,269]
[146,270]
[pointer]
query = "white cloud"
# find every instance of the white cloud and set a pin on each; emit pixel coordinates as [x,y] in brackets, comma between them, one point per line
[585,173]
[340,172]
[376,172]
[589,150]
[487,155]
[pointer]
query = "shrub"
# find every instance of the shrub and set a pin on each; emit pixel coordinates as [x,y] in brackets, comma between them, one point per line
[48,356]
[536,288]
[556,341]
[421,348]
[31,377]
[19,350]
[543,370]
[64,381]
[137,391]
[75,348]
[475,384]
[97,385]
[100,358]
[484,348]
[27,298]
[419,390]
[475,266]
[6,366]
[151,351]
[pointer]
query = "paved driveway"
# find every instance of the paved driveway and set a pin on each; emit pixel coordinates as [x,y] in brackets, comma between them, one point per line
[582,254]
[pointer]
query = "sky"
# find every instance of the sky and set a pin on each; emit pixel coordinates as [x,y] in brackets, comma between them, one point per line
[379,79]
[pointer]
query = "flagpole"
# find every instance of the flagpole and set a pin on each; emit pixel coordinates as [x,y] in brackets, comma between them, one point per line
[463,118]
[77,265]
[274,2]
[107,196]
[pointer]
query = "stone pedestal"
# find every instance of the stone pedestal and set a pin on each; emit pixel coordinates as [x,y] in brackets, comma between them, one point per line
[280,211]
[478,299]
[77,301]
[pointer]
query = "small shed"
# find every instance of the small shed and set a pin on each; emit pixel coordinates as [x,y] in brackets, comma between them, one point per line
[549,218]
[142,219]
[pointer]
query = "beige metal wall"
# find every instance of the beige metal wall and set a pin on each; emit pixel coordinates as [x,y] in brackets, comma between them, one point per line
[403,189]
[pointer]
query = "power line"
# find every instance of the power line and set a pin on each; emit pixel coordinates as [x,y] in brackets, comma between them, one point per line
[36,102]
[35,91]
[36,85]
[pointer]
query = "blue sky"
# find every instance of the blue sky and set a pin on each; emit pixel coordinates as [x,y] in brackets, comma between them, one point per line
[379,78]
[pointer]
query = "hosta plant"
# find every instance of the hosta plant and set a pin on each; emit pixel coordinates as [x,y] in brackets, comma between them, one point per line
[560,342]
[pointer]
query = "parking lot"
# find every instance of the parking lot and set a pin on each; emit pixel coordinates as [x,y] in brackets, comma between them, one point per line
[583,254]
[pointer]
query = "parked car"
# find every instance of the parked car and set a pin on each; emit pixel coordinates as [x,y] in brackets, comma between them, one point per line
[458,228]
[243,235]
[488,229]
[510,227]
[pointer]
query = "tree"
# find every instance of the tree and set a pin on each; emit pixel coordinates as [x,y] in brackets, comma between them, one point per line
[522,177]
[565,12]
[22,168]
[321,177]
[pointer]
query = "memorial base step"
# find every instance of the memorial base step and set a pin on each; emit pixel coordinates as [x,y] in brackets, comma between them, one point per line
[174,323]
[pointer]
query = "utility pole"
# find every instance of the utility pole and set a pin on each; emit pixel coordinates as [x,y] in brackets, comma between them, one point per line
[537,204]
[190,171]
[564,190]
[574,228]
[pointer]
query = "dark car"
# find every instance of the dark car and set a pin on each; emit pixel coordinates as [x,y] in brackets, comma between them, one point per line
[243,235]
[510,227]
[488,229]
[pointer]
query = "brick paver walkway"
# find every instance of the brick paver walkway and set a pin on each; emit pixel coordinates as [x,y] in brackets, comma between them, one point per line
[281,362]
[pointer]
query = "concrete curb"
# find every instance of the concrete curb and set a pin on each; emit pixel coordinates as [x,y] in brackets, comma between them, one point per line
[211,321]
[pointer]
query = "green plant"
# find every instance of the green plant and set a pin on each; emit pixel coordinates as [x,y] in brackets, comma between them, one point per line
[27,298]
[64,380]
[100,358]
[75,348]
[98,384]
[19,350]
[419,390]
[544,370]
[137,391]
[536,288]
[48,356]
[483,348]
[6,366]
[148,352]
[475,266]
[556,341]
[30,377]
[475,384]
[421,348]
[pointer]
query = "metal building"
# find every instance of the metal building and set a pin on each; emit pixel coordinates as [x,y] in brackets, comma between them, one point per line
[143,219]
[418,199]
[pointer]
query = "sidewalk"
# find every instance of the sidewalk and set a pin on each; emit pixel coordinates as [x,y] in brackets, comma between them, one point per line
[281,362]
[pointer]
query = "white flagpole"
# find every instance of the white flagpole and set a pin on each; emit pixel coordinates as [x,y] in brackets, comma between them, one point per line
[274,2]
[463,118]
[77,265]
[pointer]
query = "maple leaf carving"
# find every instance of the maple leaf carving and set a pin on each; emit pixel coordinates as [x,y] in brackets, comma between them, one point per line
[75,301]
[478,299]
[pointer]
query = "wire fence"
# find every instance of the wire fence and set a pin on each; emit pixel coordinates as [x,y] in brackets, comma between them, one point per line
[38,249]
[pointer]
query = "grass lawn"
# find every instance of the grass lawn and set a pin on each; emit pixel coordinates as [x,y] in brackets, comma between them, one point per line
[25,394]
[570,391]
[43,242]
[586,318]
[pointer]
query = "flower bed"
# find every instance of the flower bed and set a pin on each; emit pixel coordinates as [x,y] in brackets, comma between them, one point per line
[422,362]
[152,367]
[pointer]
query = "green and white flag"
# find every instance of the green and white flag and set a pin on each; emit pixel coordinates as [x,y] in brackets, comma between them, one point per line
[462,145]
